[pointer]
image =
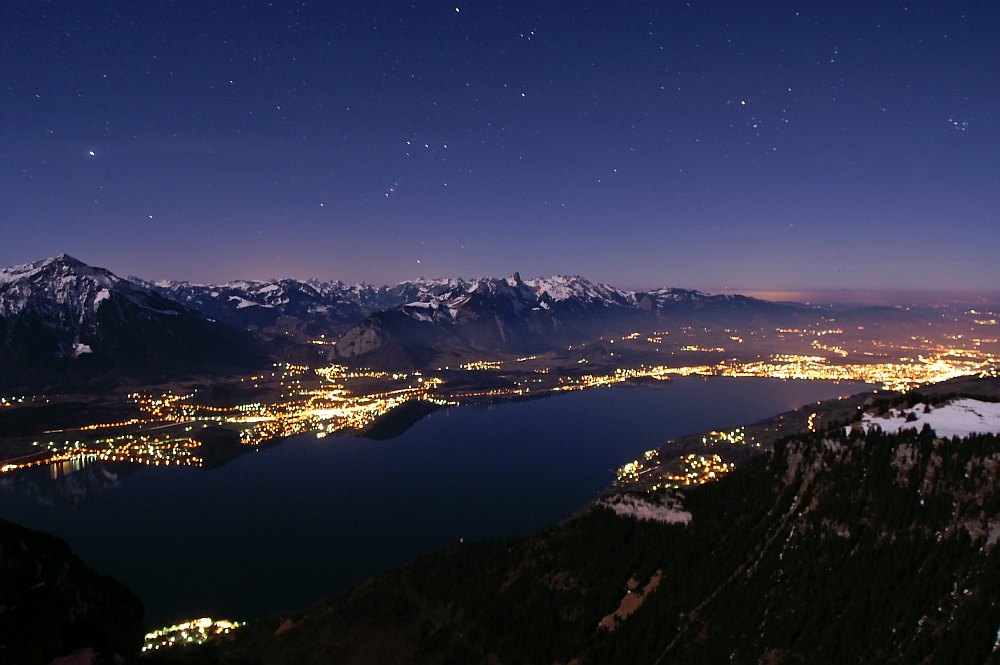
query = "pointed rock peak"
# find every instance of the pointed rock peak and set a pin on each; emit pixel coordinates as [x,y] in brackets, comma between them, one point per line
[65,259]
[65,265]
[515,280]
[42,269]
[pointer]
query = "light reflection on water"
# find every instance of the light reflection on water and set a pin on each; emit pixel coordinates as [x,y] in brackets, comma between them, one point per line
[66,467]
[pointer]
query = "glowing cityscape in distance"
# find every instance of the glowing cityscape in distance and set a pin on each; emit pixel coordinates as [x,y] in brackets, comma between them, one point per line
[294,399]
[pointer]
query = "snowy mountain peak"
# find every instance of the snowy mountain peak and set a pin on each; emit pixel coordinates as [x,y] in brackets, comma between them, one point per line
[60,266]
[565,287]
[66,259]
[62,281]
[61,319]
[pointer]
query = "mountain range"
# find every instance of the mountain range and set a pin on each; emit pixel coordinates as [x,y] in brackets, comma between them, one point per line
[490,316]
[527,314]
[63,322]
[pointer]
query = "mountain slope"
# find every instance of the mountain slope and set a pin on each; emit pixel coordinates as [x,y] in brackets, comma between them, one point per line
[838,548]
[52,604]
[64,321]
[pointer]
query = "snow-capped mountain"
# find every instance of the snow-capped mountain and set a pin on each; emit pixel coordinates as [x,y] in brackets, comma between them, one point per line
[292,310]
[274,310]
[514,316]
[561,288]
[61,319]
[289,309]
[61,281]
[65,314]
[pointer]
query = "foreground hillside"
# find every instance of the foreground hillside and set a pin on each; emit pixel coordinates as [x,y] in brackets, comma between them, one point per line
[52,605]
[843,546]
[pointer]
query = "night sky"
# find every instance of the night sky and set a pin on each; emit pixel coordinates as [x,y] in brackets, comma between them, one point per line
[742,145]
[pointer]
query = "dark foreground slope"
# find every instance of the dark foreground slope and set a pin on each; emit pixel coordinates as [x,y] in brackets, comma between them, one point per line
[53,605]
[834,549]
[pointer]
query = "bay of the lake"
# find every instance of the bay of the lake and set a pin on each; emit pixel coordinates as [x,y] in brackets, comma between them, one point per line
[281,528]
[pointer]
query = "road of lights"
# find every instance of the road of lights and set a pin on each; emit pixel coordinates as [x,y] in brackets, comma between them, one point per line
[195,631]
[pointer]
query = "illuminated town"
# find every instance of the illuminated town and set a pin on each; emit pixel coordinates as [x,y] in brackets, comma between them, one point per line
[195,631]
[685,470]
[173,426]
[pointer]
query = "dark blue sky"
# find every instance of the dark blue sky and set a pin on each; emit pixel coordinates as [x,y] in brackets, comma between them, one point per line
[749,145]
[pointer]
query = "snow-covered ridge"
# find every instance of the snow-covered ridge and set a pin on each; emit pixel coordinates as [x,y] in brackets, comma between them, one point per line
[556,288]
[960,417]
[65,295]
[564,287]
[246,302]
[61,281]
[63,263]
[562,292]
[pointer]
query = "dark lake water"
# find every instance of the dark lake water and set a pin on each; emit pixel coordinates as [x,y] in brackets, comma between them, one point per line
[286,526]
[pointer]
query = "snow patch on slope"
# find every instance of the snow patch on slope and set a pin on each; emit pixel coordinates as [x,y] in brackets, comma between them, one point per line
[669,511]
[242,303]
[960,417]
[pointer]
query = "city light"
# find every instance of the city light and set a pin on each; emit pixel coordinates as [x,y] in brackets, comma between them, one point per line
[167,426]
[195,631]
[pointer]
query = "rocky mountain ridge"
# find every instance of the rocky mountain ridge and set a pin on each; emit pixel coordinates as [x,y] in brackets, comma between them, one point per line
[64,322]
[58,318]
[510,315]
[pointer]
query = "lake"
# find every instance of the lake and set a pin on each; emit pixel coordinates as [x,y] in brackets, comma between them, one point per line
[283,527]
